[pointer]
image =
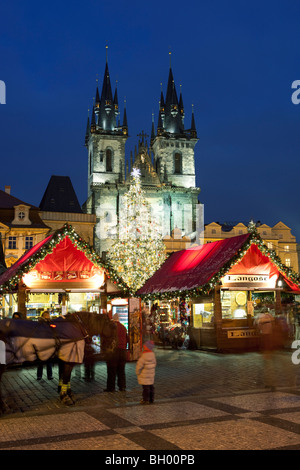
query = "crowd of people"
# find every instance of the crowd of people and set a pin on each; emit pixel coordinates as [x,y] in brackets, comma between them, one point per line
[275,332]
[115,361]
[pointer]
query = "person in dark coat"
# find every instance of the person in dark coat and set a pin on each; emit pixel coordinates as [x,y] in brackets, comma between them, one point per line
[45,317]
[117,360]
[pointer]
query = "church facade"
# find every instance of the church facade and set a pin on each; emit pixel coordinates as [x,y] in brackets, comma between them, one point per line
[166,164]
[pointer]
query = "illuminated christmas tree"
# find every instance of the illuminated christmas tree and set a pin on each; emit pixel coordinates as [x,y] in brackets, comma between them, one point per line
[139,250]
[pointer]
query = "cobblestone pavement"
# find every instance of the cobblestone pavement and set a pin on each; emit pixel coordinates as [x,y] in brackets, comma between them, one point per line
[203,401]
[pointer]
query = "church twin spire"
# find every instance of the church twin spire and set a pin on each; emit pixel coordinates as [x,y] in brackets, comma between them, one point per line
[105,112]
[171,112]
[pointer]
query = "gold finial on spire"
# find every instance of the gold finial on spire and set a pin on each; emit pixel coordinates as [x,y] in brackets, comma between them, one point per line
[170,53]
[106,47]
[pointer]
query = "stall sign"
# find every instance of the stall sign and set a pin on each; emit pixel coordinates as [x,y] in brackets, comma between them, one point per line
[249,333]
[249,280]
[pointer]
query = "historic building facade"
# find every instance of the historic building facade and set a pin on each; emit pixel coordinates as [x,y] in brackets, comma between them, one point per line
[166,164]
[278,238]
[21,226]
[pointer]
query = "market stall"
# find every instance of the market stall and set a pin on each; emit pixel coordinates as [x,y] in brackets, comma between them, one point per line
[223,281]
[61,273]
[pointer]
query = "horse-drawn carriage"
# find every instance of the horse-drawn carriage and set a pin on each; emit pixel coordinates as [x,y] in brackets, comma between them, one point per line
[64,338]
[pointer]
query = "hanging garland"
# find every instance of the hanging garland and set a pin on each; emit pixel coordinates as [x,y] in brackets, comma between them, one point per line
[67,230]
[254,238]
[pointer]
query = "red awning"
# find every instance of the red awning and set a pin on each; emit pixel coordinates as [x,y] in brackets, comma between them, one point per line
[65,258]
[256,263]
[194,267]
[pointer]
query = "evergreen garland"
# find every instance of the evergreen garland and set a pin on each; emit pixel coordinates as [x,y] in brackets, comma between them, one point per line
[67,230]
[254,238]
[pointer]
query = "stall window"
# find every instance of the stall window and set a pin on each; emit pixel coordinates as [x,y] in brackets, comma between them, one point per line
[234,304]
[203,314]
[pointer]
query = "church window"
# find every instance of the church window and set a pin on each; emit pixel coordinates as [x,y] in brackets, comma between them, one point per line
[90,163]
[177,163]
[109,160]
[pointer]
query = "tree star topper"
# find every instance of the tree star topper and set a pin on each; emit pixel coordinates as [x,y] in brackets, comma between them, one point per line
[136,173]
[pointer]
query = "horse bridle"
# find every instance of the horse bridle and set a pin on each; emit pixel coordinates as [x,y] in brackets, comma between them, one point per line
[82,326]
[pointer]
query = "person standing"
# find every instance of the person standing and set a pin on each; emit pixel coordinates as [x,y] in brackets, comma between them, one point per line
[45,317]
[117,359]
[145,371]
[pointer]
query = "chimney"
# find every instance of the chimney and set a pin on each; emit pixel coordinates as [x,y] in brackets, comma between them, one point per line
[7,189]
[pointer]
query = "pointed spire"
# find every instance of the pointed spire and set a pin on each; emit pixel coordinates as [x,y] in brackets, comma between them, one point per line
[116,103]
[152,131]
[97,101]
[93,121]
[87,132]
[181,107]
[107,117]
[172,120]
[125,125]
[162,102]
[193,125]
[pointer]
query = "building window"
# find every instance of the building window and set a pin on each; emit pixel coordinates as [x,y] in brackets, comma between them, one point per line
[213,231]
[286,248]
[109,160]
[90,163]
[270,245]
[177,163]
[12,243]
[28,242]
[288,262]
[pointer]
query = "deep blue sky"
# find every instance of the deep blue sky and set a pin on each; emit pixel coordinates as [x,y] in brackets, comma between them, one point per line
[236,62]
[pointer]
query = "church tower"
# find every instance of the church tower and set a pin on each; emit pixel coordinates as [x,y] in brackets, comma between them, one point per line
[167,166]
[173,145]
[105,138]
[105,141]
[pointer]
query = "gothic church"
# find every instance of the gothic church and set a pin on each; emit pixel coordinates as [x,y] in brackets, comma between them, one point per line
[167,165]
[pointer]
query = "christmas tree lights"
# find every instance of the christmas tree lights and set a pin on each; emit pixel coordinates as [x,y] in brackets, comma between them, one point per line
[139,250]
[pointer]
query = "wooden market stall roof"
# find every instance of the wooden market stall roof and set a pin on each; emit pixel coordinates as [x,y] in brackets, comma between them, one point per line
[61,260]
[199,269]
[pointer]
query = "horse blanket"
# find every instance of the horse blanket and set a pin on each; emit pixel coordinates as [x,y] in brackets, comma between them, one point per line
[29,341]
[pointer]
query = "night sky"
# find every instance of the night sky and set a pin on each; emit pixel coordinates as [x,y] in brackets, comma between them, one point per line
[235,60]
